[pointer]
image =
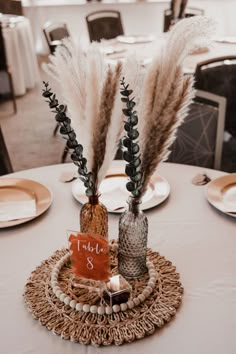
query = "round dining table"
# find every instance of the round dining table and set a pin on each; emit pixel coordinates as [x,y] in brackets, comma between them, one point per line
[196,237]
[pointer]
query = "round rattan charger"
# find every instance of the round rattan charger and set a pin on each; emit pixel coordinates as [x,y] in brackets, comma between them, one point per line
[90,328]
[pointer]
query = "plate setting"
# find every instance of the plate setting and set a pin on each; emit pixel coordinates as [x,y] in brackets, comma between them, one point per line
[132,39]
[114,194]
[221,193]
[19,189]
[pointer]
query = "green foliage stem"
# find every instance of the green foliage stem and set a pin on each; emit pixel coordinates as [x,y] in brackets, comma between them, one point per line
[131,152]
[65,129]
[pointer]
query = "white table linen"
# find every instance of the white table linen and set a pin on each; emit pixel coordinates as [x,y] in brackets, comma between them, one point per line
[186,229]
[21,56]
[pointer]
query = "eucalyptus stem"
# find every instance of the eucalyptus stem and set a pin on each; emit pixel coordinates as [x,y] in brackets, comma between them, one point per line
[66,129]
[131,152]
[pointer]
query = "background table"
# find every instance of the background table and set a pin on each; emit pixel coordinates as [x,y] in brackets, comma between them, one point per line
[198,239]
[20,53]
[146,51]
[138,17]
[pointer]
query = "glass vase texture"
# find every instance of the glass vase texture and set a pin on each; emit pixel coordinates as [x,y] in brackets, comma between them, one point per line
[94,217]
[132,244]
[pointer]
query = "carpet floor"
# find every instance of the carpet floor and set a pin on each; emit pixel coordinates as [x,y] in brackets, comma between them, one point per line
[29,133]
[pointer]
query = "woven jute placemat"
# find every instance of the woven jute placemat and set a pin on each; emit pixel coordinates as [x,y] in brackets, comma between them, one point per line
[91,328]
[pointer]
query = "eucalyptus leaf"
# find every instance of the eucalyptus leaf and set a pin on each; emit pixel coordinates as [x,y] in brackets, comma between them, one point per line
[127,142]
[74,156]
[127,127]
[127,156]
[126,92]
[130,186]
[137,162]
[136,193]
[133,119]
[137,177]
[60,117]
[89,192]
[133,134]
[126,112]
[72,135]
[130,170]
[131,104]
[134,148]
[47,94]
[79,149]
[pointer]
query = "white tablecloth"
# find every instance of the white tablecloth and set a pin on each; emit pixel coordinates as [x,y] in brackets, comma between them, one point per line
[21,55]
[198,239]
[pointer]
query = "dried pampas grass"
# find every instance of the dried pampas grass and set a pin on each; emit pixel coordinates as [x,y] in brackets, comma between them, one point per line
[90,89]
[167,93]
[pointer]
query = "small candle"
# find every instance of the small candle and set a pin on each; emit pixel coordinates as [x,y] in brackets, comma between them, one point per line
[118,290]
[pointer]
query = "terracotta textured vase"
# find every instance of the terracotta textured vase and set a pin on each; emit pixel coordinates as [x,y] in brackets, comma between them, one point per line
[94,217]
[132,247]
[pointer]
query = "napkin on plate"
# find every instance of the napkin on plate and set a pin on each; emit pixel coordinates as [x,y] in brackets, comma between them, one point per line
[17,210]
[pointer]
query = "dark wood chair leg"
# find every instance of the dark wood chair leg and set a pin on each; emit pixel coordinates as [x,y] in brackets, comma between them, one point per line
[12,91]
[5,162]
[56,129]
[64,155]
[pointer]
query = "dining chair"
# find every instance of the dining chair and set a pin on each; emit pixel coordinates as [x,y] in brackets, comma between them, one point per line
[12,7]
[199,139]
[5,69]
[54,32]
[105,24]
[189,12]
[5,162]
[218,76]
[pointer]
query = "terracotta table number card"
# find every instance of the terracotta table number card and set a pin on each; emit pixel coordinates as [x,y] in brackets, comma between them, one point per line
[89,256]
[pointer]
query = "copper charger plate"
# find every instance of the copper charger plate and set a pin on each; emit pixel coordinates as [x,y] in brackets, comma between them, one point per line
[19,189]
[114,194]
[221,193]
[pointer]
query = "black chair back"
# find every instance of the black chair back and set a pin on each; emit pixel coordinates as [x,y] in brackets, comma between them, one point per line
[189,12]
[12,7]
[5,162]
[199,139]
[218,76]
[54,33]
[104,25]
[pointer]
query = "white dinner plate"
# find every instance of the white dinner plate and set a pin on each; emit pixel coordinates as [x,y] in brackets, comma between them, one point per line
[135,39]
[19,189]
[221,193]
[114,194]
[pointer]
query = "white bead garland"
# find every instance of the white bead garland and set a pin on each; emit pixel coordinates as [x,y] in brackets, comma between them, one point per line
[101,310]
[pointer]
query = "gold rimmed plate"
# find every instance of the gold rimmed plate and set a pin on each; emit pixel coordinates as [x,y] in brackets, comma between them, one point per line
[114,194]
[221,193]
[19,189]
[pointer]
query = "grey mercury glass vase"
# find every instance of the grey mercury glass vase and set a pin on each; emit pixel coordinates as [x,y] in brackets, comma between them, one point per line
[132,246]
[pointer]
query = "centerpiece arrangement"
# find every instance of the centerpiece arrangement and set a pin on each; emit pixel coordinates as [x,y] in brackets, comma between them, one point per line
[122,311]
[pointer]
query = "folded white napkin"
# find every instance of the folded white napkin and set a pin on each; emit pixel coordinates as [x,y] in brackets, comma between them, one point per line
[115,200]
[17,210]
